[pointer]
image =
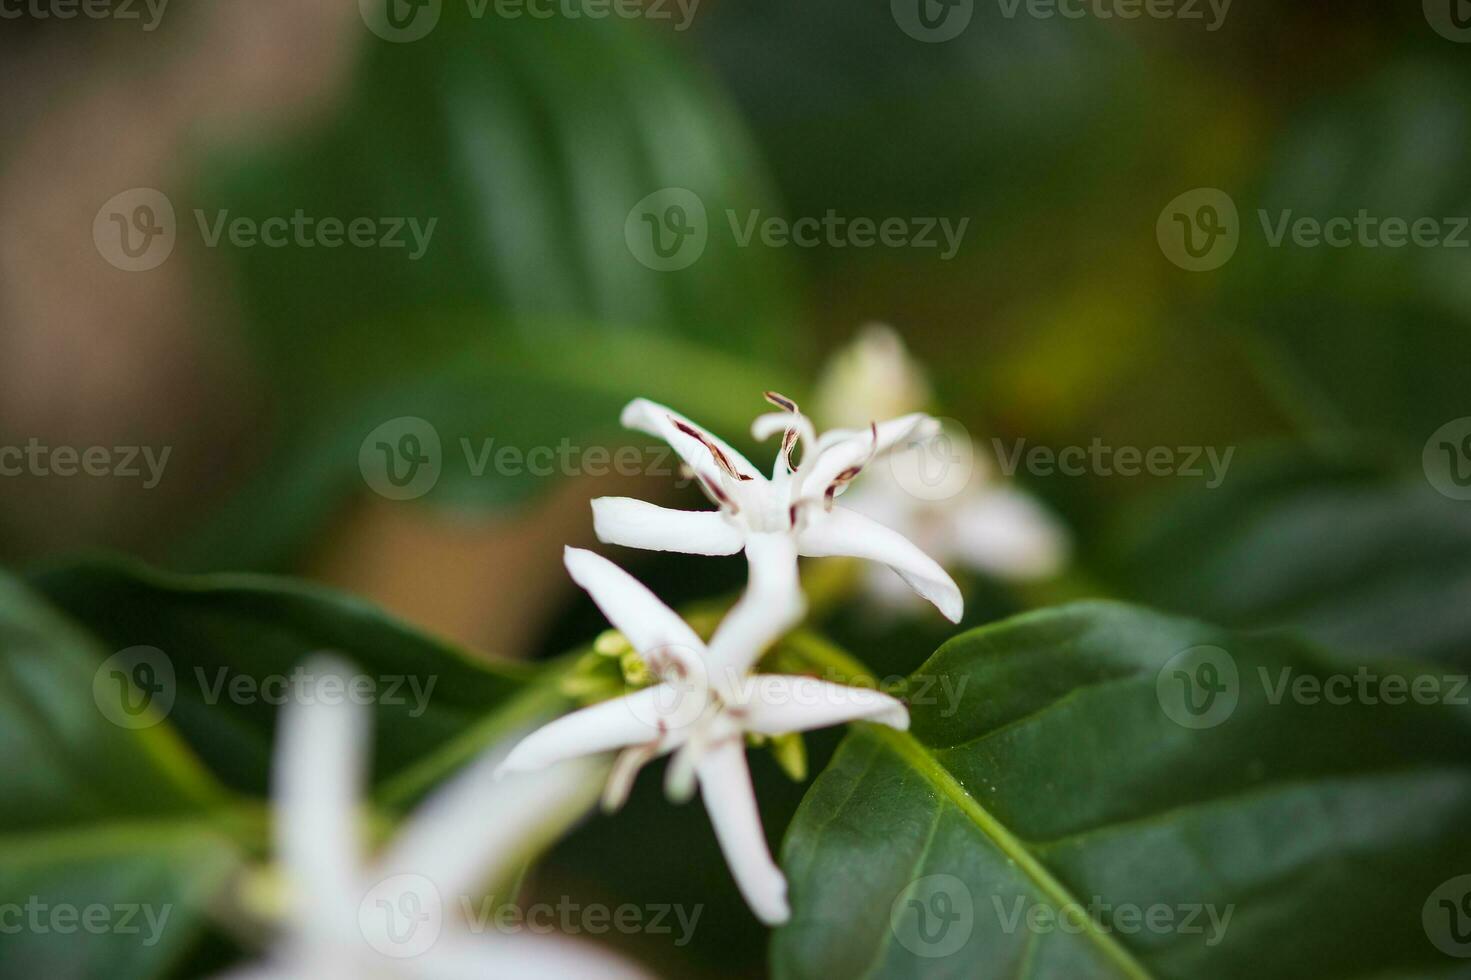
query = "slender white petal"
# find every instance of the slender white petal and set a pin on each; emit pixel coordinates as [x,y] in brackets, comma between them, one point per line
[1005,532]
[659,420]
[639,524]
[778,703]
[476,828]
[725,784]
[657,632]
[656,715]
[846,532]
[771,606]
[517,956]
[841,450]
[319,770]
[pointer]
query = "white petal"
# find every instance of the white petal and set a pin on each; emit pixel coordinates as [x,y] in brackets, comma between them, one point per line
[725,784]
[659,420]
[518,956]
[655,631]
[318,774]
[778,703]
[654,715]
[476,828]
[846,532]
[639,524]
[771,606]
[1005,532]
[840,450]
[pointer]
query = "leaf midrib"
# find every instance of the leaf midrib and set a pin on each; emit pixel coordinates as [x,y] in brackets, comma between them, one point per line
[917,756]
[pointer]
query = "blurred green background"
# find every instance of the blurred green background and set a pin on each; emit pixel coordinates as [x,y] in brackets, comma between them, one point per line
[530,319]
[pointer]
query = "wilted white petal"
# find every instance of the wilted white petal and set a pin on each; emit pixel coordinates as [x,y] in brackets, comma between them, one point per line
[655,714]
[640,524]
[516,956]
[725,785]
[1005,532]
[477,828]
[318,772]
[771,605]
[655,631]
[778,703]
[845,532]
[659,420]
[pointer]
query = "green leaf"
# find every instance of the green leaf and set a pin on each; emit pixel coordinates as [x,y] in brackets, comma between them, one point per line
[236,641]
[123,901]
[1360,560]
[1369,336]
[554,410]
[529,143]
[101,823]
[1057,779]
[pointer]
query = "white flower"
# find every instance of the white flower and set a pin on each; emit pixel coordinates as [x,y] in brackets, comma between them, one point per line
[936,489]
[777,519]
[352,917]
[872,378]
[701,709]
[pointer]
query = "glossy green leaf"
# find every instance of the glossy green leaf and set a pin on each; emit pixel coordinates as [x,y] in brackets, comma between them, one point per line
[529,144]
[237,642]
[554,410]
[1057,780]
[102,824]
[1362,561]
[1371,333]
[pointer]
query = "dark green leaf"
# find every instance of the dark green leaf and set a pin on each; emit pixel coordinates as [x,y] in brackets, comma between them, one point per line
[102,824]
[1362,561]
[1059,781]
[236,642]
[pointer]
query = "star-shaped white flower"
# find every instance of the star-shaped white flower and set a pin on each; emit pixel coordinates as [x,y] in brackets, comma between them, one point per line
[701,709]
[355,917]
[937,490]
[777,519]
